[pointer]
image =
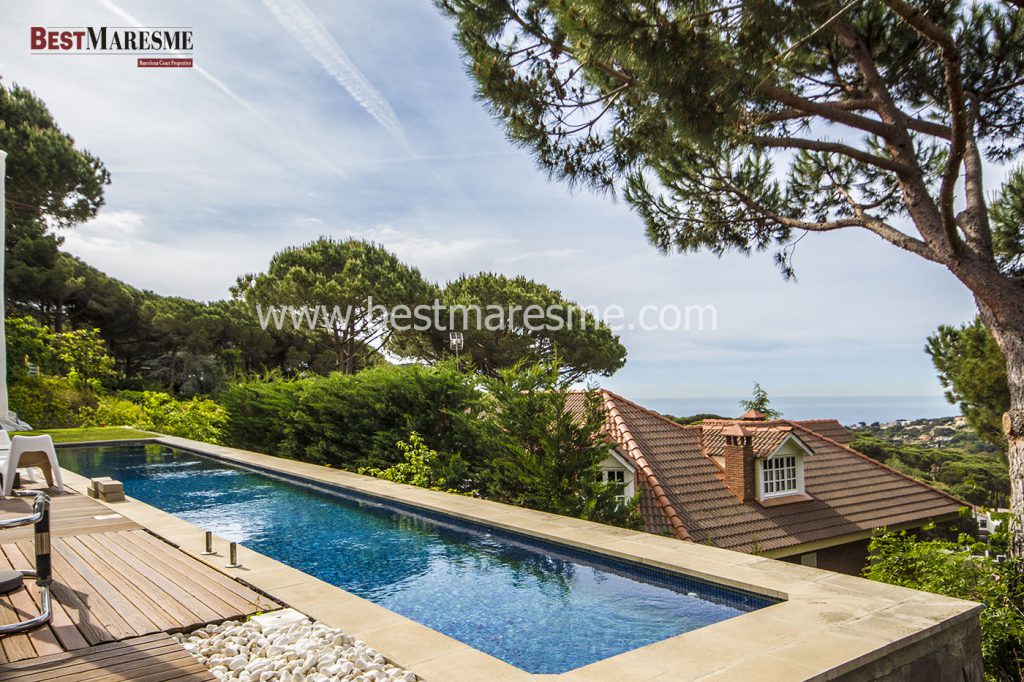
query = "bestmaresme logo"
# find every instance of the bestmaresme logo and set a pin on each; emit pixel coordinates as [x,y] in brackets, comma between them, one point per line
[172,44]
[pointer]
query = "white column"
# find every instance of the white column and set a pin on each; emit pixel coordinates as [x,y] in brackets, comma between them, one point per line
[5,410]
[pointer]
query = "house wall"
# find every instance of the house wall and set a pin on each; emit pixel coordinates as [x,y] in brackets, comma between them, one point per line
[849,558]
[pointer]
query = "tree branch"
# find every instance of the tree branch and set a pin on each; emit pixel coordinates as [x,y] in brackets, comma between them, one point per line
[914,123]
[831,147]
[606,69]
[866,221]
[950,54]
[974,221]
[828,111]
[917,197]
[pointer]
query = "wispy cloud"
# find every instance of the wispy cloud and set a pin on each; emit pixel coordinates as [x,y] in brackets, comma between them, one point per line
[218,84]
[547,254]
[314,38]
[209,77]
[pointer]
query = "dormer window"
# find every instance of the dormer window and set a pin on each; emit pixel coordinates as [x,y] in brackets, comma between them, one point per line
[613,476]
[780,474]
[617,469]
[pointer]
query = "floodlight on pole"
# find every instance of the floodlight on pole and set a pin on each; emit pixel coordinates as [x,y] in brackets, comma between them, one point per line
[456,342]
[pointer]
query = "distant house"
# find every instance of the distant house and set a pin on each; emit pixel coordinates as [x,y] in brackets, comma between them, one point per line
[785,489]
[989,521]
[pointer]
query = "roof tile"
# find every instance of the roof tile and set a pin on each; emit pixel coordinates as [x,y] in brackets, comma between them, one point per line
[850,492]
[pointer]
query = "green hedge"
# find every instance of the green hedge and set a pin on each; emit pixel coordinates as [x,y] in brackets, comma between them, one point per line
[355,420]
[259,411]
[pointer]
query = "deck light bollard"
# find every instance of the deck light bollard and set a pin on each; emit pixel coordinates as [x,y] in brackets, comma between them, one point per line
[209,544]
[233,556]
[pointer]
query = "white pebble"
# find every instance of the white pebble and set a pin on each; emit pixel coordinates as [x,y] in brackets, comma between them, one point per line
[299,652]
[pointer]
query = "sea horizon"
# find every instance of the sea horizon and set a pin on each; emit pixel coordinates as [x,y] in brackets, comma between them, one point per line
[847,409]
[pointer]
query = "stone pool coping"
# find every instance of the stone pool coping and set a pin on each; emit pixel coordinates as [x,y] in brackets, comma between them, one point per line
[829,624]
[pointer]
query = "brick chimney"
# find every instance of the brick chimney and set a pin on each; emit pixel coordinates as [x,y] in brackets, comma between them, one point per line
[739,462]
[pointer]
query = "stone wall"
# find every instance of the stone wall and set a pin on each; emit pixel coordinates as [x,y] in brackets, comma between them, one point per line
[950,655]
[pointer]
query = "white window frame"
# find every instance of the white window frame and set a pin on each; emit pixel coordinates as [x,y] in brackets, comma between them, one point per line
[616,463]
[777,471]
[791,448]
[608,474]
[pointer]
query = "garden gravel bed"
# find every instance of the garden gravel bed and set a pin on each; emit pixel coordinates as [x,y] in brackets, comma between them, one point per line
[294,650]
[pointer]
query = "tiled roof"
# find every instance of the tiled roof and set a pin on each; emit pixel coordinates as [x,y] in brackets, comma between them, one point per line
[766,436]
[831,429]
[849,492]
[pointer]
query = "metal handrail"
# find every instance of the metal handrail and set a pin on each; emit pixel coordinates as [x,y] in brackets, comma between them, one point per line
[41,503]
[43,572]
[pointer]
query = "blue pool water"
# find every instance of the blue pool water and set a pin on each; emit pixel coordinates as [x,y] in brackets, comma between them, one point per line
[544,608]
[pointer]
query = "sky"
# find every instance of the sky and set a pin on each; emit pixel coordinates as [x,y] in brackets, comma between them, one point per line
[357,119]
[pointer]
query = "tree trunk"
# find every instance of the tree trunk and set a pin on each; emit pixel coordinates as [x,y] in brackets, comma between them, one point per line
[1001,303]
[338,350]
[1012,343]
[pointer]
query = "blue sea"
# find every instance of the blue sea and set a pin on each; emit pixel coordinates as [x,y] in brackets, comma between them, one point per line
[848,410]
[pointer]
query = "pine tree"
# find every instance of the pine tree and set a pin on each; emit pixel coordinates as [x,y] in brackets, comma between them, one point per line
[759,402]
[551,453]
[743,125]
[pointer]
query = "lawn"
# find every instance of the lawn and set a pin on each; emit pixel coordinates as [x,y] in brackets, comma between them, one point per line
[87,434]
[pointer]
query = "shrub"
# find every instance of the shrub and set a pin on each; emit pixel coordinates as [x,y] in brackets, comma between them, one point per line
[80,354]
[259,411]
[27,342]
[51,402]
[353,421]
[550,454]
[197,418]
[960,569]
[422,467]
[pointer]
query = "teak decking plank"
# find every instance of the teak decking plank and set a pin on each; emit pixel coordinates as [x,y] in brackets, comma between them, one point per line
[61,623]
[43,640]
[115,661]
[128,582]
[98,652]
[142,578]
[168,590]
[116,670]
[70,514]
[152,658]
[181,572]
[122,659]
[16,646]
[94,603]
[246,594]
[125,608]
[171,587]
[113,581]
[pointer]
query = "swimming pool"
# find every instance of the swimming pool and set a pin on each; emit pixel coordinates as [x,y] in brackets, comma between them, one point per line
[542,607]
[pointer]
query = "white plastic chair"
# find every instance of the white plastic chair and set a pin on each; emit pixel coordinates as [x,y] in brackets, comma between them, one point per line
[29,452]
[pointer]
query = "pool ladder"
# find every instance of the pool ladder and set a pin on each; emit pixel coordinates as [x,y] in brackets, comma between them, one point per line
[11,580]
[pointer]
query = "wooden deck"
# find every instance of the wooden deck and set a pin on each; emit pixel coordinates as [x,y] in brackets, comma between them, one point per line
[113,583]
[153,658]
[70,514]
